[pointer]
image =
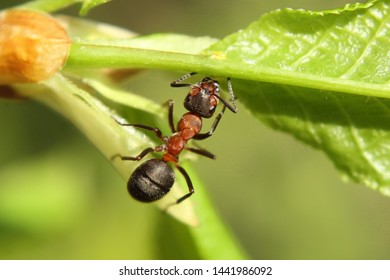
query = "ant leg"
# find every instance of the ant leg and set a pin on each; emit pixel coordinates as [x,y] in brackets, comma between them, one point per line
[232,107]
[170,104]
[189,184]
[202,136]
[185,77]
[146,127]
[170,115]
[150,128]
[201,152]
[232,97]
[137,158]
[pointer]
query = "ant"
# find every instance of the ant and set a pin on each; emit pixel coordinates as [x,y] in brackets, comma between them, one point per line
[154,178]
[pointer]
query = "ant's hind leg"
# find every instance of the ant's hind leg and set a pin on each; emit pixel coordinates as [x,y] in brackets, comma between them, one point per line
[191,190]
[189,184]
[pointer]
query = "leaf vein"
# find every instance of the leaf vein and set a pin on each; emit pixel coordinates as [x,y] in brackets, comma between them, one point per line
[360,60]
[356,138]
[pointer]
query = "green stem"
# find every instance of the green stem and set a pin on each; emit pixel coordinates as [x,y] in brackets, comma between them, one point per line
[98,56]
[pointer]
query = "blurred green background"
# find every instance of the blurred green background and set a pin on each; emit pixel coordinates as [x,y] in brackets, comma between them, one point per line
[60,199]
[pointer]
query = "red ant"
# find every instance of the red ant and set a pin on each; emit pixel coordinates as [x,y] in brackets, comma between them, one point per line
[154,178]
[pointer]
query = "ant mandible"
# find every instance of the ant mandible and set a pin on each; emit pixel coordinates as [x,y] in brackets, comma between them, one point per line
[154,178]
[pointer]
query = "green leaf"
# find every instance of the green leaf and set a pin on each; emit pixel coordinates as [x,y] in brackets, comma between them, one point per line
[348,46]
[126,98]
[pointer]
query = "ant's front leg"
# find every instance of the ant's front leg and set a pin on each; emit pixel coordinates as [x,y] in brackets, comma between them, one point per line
[177,83]
[232,107]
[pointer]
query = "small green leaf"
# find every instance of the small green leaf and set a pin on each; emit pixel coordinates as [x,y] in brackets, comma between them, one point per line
[90,4]
[126,98]
[54,5]
[48,5]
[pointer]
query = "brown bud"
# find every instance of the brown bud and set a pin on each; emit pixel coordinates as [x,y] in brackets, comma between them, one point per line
[33,46]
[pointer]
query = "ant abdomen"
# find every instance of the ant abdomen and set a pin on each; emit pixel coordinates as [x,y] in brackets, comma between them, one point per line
[151,180]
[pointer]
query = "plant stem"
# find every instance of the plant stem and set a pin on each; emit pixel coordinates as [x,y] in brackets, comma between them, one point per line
[98,56]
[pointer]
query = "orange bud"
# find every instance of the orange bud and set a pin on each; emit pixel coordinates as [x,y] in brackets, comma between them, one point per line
[33,46]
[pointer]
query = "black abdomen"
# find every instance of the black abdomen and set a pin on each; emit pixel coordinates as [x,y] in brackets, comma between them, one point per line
[151,180]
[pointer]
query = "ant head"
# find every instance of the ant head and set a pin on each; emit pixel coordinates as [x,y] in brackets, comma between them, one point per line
[203,98]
